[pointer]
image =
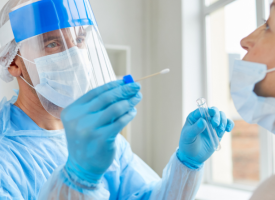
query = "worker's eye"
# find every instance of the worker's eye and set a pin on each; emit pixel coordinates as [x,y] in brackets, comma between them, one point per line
[80,40]
[52,45]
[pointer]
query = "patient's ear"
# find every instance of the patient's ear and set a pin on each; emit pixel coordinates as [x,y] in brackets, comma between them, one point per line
[15,68]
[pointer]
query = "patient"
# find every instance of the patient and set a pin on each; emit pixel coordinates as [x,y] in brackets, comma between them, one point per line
[260,46]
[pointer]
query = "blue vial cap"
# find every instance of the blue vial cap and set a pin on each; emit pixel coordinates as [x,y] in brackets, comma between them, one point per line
[128,79]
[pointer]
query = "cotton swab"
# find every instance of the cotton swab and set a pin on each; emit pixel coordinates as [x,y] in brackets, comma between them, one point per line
[129,78]
[165,71]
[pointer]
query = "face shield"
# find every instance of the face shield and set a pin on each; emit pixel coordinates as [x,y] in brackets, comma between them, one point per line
[62,50]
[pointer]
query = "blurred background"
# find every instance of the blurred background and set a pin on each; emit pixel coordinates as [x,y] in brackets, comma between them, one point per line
[199,41]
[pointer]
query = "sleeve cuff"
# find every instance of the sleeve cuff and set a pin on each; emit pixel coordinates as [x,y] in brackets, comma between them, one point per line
[189,165]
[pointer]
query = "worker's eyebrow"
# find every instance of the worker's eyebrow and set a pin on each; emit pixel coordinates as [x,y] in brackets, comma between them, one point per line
[273,4]
[49,38]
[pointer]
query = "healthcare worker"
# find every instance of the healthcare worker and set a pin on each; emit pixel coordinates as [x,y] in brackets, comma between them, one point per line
[252,87]
[59,138]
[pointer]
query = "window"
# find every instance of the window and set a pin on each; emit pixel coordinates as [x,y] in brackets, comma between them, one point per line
[247,155]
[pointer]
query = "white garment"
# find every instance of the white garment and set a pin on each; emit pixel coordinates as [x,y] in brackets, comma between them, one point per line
[178,181]
[265,191]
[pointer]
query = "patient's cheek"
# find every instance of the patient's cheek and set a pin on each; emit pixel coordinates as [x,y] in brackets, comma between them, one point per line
[253,56]
[257,89]
[262,90]
[262,51]
[256,55]
[265,88]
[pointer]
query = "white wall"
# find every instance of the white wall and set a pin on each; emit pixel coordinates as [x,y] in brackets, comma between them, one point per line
[166,91]
[174,43]
[6,89]
[3,2]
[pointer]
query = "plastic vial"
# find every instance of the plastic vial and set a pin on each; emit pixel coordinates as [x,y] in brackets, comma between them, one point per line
[211,131]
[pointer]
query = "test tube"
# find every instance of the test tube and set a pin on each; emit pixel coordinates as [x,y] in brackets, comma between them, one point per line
[215,142]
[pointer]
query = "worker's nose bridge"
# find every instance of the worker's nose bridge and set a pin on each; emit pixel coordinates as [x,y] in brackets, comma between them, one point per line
[70,38]
[75,36]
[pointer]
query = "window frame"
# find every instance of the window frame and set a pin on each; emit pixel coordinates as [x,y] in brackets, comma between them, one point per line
[266,139]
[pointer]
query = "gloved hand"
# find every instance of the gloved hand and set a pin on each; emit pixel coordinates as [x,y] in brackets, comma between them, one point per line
[195,146]
[92,123]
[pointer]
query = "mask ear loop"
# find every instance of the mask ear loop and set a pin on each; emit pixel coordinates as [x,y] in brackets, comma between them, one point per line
[25,59]
[26,82]
[270,70]
[22,76]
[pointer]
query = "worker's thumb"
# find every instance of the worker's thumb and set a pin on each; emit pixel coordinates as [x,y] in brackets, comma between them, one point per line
[191,132]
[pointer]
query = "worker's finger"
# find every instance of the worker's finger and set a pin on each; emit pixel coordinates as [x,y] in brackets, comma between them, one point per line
[123,92]
[193,117]
[94,121]
[215,115]
[119,124]
[190,133]
[116,110]
[230,125]
[87,130]
[78,108]
[97,91]
[223,124]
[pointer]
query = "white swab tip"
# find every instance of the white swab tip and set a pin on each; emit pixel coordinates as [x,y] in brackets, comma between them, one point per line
[165,71]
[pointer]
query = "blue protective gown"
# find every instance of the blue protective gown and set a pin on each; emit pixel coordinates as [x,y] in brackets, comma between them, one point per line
[30,155]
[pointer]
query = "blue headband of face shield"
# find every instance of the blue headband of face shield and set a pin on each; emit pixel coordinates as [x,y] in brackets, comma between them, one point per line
[49,15]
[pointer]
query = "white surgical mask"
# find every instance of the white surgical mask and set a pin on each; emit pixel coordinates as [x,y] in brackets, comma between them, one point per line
[252,108]
[64,76]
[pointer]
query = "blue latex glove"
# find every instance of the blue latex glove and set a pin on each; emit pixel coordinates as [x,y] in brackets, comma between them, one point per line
[195,146]
[92,124]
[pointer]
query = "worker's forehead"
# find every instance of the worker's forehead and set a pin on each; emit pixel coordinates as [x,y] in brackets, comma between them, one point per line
[57,32]
[65,32]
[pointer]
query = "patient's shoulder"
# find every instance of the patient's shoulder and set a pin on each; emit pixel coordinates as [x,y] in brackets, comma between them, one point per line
[266,191]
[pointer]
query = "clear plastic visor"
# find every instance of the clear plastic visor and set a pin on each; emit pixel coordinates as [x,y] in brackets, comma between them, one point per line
[65,64]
